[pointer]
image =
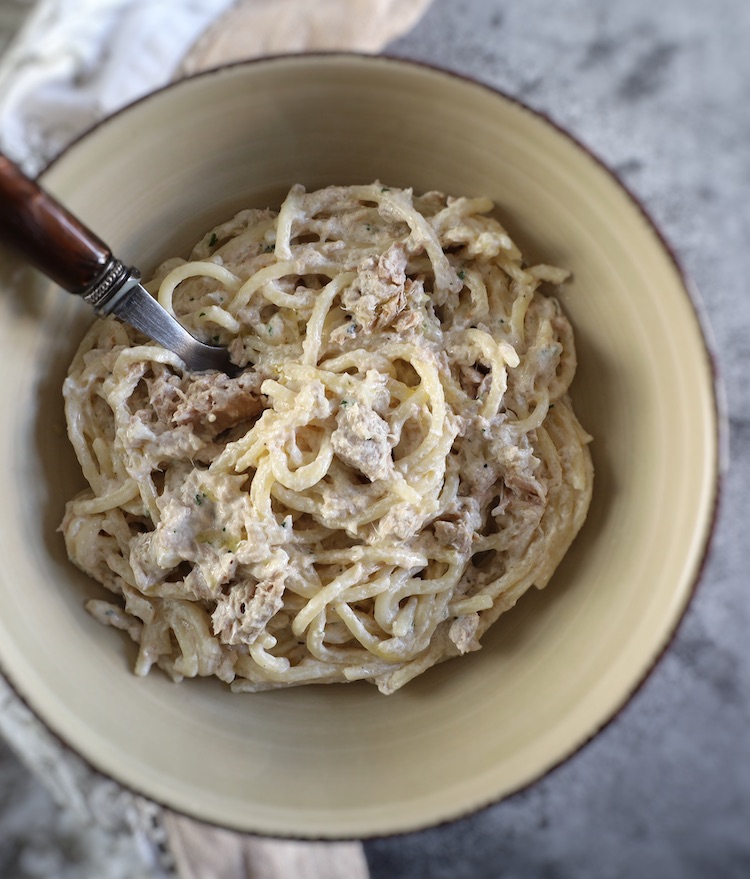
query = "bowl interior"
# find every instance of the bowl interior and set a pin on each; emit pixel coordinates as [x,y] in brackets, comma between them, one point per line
[344,761]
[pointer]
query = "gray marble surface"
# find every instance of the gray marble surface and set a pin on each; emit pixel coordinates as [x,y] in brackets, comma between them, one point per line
[660,92]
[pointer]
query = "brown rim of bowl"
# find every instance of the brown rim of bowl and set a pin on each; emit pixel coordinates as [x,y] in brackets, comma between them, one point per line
[720,415]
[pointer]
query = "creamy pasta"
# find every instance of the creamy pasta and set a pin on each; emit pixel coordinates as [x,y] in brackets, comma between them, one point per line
[395,466]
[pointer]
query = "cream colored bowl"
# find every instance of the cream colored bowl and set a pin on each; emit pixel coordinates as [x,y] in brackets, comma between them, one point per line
[345,761]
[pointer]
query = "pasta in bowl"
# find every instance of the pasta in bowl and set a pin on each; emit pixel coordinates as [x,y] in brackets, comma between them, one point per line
[327,762]
[396,465]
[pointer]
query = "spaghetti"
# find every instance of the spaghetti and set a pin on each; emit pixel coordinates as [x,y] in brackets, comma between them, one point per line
[396,465]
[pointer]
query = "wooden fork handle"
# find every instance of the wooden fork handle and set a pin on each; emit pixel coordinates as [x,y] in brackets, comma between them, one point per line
[47,234]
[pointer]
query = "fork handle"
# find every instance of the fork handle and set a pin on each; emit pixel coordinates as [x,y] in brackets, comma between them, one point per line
[47,234]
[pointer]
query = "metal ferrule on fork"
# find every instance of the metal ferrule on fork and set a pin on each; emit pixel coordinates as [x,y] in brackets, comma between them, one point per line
[114,283]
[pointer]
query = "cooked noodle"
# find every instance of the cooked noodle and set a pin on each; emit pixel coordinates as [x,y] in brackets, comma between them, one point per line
[395,467]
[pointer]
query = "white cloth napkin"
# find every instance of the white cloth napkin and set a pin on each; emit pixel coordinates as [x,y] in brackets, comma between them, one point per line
[76,61]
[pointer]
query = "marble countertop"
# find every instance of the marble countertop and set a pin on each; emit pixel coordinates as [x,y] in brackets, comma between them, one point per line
[659,92]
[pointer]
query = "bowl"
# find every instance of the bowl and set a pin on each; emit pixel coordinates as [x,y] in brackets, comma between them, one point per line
[345,761]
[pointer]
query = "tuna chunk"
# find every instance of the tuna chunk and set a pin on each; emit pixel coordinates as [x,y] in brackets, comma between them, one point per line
[242,615]
[220,401]
[362,441]
[458,523]
[463,633]
[378,295]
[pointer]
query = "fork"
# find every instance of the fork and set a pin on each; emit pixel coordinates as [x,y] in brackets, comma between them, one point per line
[60,246]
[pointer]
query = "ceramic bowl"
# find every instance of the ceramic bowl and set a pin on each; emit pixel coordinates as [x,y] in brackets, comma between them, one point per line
[345,761]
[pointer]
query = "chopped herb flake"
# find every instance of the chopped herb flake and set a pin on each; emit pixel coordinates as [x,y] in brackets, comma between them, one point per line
[269,248]
[202,314]
[199,498]
[212,241]
[461,275]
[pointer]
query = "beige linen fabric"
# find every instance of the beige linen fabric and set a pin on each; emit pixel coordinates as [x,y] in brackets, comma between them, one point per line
[252,28]
[201,852]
